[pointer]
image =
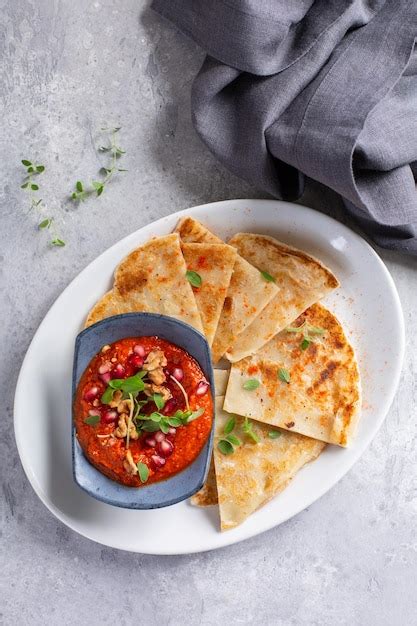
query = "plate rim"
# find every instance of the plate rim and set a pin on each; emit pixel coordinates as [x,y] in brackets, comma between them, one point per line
[62,517]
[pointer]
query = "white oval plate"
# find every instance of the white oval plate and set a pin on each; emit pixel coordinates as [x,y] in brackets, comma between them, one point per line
[367,303]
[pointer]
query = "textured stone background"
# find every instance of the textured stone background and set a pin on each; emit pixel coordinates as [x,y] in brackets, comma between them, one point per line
[67,67]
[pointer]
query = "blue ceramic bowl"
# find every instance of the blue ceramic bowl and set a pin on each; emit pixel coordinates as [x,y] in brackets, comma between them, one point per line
[88,343]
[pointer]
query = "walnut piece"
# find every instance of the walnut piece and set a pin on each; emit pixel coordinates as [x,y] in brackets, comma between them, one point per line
[154,364]
[121,430]
[129,464]
[151,388]
[122,406]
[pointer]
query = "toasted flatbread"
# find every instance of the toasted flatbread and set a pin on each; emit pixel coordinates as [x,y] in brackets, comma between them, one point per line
[207,496]
[220,381]
[302,281]
[321,399]
[255,472]
[151,278]
[247,295]
[214,263]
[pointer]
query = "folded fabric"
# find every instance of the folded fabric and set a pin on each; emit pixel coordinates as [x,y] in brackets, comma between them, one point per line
[324,88]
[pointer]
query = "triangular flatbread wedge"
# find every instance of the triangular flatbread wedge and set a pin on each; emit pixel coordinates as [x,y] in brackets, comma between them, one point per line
[207,496]
[247,295]
[255,472]
[308,380]
[302,281]
[208,493]
[213,262]
[151,278]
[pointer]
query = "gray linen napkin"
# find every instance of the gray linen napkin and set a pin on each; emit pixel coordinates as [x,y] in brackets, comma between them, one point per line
[323,88]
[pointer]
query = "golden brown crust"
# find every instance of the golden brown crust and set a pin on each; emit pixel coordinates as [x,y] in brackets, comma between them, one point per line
[207,495]
[151,278]
[322,399]
[214,263]
[248,293]
[280,249]
[256,472]
[191,231]
[302,281]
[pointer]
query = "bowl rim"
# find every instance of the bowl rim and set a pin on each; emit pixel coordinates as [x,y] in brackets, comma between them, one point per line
[209,442]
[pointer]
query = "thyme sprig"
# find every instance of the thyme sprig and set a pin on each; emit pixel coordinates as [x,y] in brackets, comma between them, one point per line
[115,152]
[31,186]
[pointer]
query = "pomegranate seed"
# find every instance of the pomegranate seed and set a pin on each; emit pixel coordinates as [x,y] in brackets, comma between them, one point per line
[165,448]
[105,367]
[91,394]
[119,371]
[136,361]
[109,416]
[150,441]
[138,349]
[157,460]
[172,431]
[106,377]
[202,388]
[178,373]
[170,405]
[159,436]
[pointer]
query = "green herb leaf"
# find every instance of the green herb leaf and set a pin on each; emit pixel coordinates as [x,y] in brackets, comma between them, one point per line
[155,417]
[92,420]
[225,447]
[58,242]
[98,186]
[174,421]
[193,278]
[251,384]
[149,427]
[133,384]
[26,163]
[190,417]
[229,426]
[314,330]
[304,344]
[79,185]
[107,396]
[248,430]
[267,277]
[164,425]
[274,434]
[233,440]
[34,187]
[159,401]
[45,223]
[143,471]
[40,168]
[24,185]
[284,375]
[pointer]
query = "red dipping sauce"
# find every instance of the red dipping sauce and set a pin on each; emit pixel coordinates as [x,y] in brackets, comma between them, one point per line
[155,416]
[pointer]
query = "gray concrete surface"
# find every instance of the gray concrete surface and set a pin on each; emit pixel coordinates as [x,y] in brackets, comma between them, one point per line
[351,558]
